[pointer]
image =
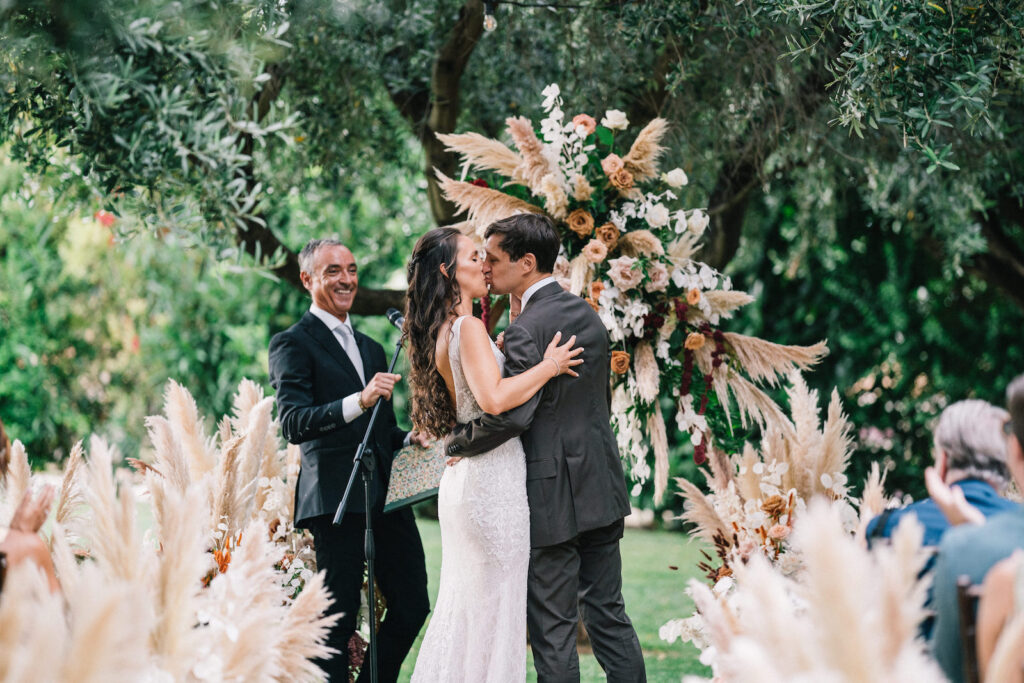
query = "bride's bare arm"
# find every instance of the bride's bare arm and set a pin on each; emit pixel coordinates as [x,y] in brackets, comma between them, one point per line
[496,394]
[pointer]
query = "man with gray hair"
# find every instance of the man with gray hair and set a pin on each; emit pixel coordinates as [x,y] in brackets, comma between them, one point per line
[970,456]
[328,375]
[971,550]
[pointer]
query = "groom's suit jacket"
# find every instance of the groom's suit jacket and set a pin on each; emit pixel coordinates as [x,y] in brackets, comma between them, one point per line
[311,374]
[574,478]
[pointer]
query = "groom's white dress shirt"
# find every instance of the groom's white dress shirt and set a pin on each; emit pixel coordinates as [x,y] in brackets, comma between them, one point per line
[535,286]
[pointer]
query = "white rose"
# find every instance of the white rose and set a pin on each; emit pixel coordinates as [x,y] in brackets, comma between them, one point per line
[658,216]
[697,222]
[615,119]
[675,178]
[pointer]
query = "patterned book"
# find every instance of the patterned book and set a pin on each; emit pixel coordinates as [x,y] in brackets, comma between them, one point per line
[415,475]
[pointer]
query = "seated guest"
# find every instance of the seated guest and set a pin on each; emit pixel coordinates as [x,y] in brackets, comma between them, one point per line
[1002,598]
[970,455]
[971,550]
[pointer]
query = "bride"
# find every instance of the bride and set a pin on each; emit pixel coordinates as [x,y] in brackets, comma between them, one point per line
[478,629]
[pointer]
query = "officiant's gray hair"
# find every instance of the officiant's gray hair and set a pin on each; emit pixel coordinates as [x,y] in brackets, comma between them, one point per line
[308,253]
[971,434]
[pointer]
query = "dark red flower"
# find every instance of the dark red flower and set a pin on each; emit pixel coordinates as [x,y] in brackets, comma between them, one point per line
[479,182]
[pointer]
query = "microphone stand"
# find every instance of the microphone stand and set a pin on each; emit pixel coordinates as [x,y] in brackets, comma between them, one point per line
[366,462]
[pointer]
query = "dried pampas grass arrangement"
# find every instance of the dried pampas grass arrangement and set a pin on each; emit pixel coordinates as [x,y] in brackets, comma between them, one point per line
[187,600]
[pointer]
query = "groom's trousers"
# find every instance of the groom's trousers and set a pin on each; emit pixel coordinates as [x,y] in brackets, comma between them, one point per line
[581,577]
[401,577]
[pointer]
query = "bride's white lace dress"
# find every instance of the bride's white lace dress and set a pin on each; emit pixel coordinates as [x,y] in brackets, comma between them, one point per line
[477,632]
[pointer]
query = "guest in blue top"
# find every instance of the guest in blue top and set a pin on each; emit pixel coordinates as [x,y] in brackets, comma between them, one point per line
[970,454]
[971,550]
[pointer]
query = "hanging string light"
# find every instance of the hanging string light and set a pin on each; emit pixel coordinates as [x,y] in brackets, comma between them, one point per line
[490,23]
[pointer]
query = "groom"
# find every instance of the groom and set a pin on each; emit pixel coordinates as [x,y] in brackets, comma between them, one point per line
[574,478]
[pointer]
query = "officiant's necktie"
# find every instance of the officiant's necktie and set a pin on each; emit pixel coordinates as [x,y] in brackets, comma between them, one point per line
[348,342]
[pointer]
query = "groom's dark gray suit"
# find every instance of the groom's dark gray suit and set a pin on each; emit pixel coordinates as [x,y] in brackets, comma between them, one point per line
[576,490]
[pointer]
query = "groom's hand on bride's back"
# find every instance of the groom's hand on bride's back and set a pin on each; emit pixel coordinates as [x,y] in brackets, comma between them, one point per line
[380,385]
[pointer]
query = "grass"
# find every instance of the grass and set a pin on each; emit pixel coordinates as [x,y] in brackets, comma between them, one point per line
[653,593]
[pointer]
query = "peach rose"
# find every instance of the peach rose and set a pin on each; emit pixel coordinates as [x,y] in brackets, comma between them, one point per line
[778,532]
[622,273]
[596,289]
[657,277]
[693,297]
[585,121]
[620,362]
[581,222]
[694,341]
[595,251]
[608,234]
[611,164]
[621,179]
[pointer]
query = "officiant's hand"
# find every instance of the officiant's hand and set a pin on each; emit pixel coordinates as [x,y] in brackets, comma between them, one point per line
[380,385]
[419,438]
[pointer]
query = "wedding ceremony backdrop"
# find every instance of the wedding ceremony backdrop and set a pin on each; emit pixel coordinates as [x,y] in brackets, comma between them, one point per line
[744,190]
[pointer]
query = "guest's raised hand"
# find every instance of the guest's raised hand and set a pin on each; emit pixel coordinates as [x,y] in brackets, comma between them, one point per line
[32,510]
[951,500]
[564,355]
[380,386]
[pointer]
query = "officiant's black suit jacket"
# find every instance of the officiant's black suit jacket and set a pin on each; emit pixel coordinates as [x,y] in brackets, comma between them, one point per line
[311,374]
[574,478]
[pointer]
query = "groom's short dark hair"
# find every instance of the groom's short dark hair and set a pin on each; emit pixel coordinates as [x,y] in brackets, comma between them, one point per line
[528,233]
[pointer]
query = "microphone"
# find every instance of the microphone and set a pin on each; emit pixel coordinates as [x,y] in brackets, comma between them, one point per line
[396,318]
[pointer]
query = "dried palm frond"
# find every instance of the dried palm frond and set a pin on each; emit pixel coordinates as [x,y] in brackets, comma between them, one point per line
[292,464]
[183,416]
[170,459]
[721,470]
[700,512]
[483,204]
[533,165]
[648,376]
[482,152]
[748,482]
[227,499]
[640,242]
[581,274]
[248,395]
[111,527]
[305,629]
[766,361]
[873,499]
[642,159]
[681,251]
[659,444]
[109,630]
[251,601]
[32,626]
[70,497]
[181,566]
[19,474]
[724,303]
[836,442]
[755,405]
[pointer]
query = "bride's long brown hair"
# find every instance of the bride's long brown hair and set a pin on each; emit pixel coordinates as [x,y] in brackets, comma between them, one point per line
[430,302]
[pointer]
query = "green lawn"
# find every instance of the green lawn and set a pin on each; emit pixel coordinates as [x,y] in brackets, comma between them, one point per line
[653,592]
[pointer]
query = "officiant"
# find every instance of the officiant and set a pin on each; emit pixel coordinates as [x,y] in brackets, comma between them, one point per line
[327,376]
